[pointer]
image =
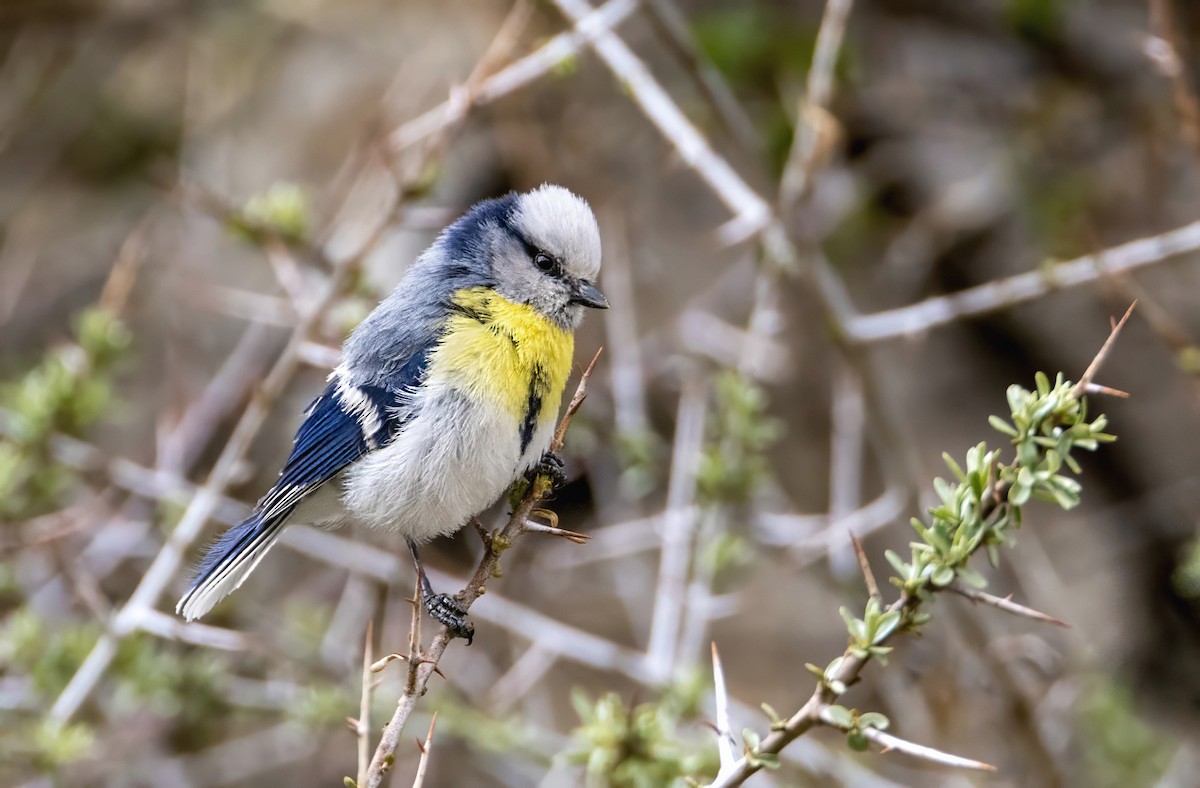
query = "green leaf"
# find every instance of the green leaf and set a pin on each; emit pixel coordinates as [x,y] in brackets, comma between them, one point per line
[898,563]
[942,576]
[857,741]
[768,760]
[886,626]
[954,467]
[856,627]
[1000,425]
[873,719]
[839,716]
[751,739]
[972,578]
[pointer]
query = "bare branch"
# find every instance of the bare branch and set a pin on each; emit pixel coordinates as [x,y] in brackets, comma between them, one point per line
[678,531]
[1001,293]
[1166,50]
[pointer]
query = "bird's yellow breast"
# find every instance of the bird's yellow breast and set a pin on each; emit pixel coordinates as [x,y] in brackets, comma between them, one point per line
[499,351]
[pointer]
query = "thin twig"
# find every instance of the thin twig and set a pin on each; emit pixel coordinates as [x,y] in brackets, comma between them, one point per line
[813,123]
[1100,357]
[423,764]
[362,726]
[1167,51]
[1004,603]
[515,76]
[865,565]
[751,211]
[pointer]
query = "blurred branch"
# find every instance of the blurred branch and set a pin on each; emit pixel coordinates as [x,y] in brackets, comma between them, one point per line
[423,666]
[362,725]
[1001,293]
[514,76]
[814,124]
[1167,52]
[750,210]
[666,15]
[162,570]
[679,527]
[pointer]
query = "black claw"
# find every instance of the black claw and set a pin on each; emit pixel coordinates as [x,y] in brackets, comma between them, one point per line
[551,466]
[442,608]
[449,613]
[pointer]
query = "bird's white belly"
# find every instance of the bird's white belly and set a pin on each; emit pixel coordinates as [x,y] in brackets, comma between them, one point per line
[452,460]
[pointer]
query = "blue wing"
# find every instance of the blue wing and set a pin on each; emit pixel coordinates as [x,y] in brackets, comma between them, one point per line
[343,424]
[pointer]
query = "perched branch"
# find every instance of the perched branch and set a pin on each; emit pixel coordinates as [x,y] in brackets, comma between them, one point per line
[422,666]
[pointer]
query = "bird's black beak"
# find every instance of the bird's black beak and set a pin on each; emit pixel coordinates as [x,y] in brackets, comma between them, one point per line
[589,295]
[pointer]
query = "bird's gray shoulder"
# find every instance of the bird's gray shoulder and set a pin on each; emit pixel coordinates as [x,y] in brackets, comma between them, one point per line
[408,322]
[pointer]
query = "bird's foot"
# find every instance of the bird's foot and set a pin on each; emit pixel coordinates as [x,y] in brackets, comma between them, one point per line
[447,611]
[551,466]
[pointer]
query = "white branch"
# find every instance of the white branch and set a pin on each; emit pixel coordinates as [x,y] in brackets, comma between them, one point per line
[1001,293]
[724,733]
[670,595]
[889,743]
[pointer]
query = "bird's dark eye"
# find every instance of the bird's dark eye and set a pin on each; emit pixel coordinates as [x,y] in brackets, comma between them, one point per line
[546,263]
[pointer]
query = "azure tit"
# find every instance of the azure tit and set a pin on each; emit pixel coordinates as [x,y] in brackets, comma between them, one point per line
[447,393]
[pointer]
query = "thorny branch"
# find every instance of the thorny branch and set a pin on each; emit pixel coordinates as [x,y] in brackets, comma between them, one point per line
[421,665]
[848,671]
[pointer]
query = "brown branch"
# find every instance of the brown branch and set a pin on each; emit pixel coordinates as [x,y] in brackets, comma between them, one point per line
[1100,357]
[422,666]
[1171,58]
[868,575]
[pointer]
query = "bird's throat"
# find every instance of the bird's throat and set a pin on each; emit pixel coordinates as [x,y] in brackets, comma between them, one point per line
[496,350]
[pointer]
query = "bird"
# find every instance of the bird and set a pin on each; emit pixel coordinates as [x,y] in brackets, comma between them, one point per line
[447,393]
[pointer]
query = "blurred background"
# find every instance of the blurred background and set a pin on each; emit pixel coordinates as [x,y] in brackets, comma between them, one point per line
[181,183]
